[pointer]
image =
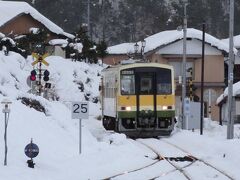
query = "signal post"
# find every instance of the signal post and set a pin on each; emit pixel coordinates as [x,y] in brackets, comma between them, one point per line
[39,72]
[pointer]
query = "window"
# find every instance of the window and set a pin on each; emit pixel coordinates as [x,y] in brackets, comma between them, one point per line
[146,86]
[127,84]
[164,81]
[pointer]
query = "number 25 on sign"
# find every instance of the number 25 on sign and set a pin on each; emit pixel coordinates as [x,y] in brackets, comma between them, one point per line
[80,110]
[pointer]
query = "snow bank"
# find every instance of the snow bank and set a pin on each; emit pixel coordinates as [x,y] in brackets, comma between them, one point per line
[56,133]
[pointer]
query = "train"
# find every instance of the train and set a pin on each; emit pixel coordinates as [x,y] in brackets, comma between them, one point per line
[138,99]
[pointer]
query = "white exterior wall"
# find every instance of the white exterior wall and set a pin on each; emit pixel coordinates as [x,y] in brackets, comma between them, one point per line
[237,107]
[194,47]
[58,51]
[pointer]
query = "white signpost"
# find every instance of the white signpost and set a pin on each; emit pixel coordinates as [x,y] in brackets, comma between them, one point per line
[210,96]
[80,110]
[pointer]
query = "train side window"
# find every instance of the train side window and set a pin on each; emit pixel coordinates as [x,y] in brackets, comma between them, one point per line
[127,84]
[164,81]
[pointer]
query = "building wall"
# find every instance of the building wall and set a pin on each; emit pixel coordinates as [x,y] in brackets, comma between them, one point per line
[21,25]
[114,59]
[194,47]
[213,69]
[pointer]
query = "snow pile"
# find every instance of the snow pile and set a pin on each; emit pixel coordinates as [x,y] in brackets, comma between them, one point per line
[55,132]
[166,37]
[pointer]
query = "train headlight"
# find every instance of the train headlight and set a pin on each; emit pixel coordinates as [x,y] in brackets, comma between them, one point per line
[128,108]
[164,107]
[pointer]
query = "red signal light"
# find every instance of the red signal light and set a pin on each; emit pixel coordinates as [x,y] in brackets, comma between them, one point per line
[32,77]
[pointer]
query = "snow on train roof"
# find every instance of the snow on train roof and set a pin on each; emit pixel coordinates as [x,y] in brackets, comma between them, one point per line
[12,9]
[166,37]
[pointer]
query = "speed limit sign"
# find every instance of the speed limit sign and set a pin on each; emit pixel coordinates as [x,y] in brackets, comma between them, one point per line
[80,110]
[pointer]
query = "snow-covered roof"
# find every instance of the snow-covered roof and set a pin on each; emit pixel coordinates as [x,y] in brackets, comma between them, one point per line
[58,42]
[236,91]
[166,37]
[12,9]
[236,40]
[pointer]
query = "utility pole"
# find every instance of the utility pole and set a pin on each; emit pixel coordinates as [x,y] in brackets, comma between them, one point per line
[202,78]
[103,23]
[230,125]
[88,18]
[184,63]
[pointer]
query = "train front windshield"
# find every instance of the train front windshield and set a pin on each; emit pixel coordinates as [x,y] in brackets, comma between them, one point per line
[158,80]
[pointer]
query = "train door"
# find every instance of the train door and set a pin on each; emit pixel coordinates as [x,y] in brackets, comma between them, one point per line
[146,98]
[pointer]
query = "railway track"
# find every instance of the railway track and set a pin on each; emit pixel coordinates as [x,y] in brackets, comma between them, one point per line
[172,161]
[202,161]
[189,166]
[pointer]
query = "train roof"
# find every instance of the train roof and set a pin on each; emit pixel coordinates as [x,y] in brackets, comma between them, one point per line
[137,64]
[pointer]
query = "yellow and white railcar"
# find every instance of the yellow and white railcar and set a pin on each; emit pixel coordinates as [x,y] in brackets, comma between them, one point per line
[139,99]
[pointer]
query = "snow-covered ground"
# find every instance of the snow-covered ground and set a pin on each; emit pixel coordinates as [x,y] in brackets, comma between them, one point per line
[104,153]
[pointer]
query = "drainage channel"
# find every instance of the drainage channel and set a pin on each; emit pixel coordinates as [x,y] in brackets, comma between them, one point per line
[182,159]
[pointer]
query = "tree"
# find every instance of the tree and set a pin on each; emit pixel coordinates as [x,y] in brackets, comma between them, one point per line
[35,41]
[101,50]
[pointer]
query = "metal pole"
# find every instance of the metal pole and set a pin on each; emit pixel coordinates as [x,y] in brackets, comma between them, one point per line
[40,78]
[230,125]
[5,140]
[202,78]
[80,136]
[184,64]
[209,104]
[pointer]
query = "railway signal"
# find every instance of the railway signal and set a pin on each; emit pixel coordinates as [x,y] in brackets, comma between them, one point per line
[39,61]
[33,75]
[46,75]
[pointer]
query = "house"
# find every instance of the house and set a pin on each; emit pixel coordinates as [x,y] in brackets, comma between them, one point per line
[18,18]
[167,47]
[223,105]
[236,43]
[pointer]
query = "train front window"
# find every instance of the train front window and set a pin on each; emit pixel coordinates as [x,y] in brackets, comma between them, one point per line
[127,84]
[164,81]
[146,86]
